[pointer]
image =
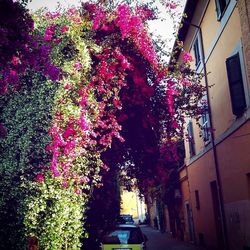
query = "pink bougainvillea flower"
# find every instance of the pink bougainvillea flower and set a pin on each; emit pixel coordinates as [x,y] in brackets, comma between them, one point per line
[99,15]
[15,60]
[12,76]
[171,5]
[40,177]
[83,102]
[84,179]
[77,191]
[58,41]
[72,12]
[52,15]
[55,172]
[175,124]
[69,132]
[83,123]
[77,66]
[186,57]
[78,20]
[67,86]
[69,147]
[47,37]
[65,29]
[65,184]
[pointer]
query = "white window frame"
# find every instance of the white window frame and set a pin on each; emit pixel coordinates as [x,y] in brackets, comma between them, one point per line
[198,40]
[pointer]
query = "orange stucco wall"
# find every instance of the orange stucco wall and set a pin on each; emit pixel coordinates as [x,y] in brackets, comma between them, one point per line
[200,174]
[234,162]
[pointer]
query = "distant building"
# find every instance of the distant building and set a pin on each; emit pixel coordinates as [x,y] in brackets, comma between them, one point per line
[215,180]
[132,204]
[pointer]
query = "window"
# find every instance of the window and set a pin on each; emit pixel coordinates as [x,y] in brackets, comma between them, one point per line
[221,7]
[248,183]
[124,235]
[191,139]
[236,85]
[205,127]
[197,200]
[197,53]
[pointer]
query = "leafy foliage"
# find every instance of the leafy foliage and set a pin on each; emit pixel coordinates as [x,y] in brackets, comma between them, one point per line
[90,96]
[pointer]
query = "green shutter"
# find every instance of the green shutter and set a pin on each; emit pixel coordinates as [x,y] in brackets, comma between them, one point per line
[236,86]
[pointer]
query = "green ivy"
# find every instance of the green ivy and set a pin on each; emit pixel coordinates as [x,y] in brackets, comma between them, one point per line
[26,115]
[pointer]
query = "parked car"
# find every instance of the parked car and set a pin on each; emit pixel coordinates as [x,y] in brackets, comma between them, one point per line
[124,237]
[126,219]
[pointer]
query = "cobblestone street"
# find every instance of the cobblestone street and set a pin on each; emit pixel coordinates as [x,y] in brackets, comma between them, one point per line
[163,241]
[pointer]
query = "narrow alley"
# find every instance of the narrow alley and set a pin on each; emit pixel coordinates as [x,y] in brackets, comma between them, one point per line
[163,241]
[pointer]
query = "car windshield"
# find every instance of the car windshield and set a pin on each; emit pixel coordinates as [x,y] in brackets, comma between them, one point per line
[124,236]
[127,219]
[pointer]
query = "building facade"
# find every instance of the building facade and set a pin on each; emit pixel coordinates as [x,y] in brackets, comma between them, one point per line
[133,204]
[215,180]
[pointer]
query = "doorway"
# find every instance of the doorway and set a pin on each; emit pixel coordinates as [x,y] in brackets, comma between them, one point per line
[190,222]
[217,214]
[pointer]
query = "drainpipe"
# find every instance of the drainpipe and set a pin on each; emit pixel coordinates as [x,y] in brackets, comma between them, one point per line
[215,154]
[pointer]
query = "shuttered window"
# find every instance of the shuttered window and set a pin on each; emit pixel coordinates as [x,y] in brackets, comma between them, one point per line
[221,7]
[205,127]
[197,52]
[236,86]
[191,139]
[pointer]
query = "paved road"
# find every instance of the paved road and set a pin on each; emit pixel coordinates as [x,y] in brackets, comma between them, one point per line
[163,241]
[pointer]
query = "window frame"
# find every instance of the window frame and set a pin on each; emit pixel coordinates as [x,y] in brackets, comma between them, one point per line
[197,199]
[197,50]
[221,12]
[191,142]
[205,125]
[239,50]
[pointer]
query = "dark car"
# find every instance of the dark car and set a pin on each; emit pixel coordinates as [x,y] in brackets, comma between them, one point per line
[124,237]
[125,219]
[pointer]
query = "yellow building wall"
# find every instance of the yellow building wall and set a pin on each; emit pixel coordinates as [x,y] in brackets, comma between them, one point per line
[217,75]
[129,203]
[217,78]
[210,26]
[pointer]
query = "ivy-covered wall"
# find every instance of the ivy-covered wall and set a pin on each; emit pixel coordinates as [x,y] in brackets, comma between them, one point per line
[26,115]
